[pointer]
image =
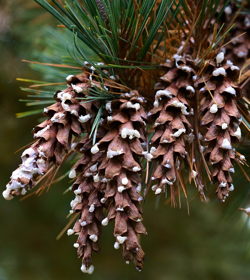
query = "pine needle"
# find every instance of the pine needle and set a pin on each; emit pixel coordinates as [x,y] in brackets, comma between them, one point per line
[52,64]
[71,221]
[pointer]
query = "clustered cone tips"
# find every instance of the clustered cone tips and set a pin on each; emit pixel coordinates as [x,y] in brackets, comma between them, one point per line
[180,133]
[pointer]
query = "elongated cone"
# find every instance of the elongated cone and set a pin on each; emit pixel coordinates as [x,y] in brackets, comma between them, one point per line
[87,190]
[67,118]
[238,50]
[109,181]
[120,172]
[220,120]
[171,117]
[87,202]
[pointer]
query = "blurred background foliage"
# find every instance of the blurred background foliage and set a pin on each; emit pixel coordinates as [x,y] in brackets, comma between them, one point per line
[210,243]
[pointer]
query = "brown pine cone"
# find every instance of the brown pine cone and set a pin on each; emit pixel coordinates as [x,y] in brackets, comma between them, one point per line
[109,181]
[119,171]
[238,50]
[67,118]
[87,202]
[170,116]
[220,120]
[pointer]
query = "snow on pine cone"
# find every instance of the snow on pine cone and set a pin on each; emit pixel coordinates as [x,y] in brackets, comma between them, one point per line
[109,181]
[172,128]
[220,120]
[66,118]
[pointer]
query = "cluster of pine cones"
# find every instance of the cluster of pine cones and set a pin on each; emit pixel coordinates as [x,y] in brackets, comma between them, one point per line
[188,131]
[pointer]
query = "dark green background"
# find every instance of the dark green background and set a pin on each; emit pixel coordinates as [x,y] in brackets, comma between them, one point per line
[210,243]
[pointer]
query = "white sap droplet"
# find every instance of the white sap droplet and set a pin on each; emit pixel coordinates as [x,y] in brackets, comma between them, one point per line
[121,189]
[158,191]
[69,78]
[85,118]
[237,133]
[194,174]
[228,10]
[92,208]
[121,239]
[224,126]
[93,237]
[220,57]
[6,195]
[76,245]
[131,133]
[213,109]
[125,181]
[219,72]
[136,169]
[72,174]
[116,245]
[77,88]
[135,106]
[179,132]
[95,149]
[230,90]
[83,223]
[105,222]
[242,157]
[223,184]
[89,270]
[70,232]
[226,144]
[113,153]
[190,88]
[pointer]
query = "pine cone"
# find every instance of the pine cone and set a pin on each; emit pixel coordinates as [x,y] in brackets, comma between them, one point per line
[238,51]
[67,118]
[109,181]
[120,172]
[173,130]
[220,120]
[87,202]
